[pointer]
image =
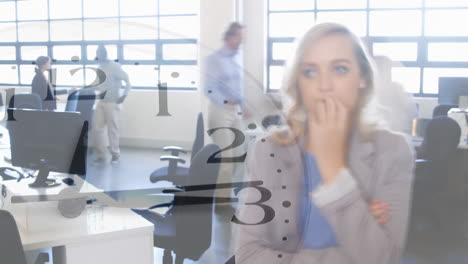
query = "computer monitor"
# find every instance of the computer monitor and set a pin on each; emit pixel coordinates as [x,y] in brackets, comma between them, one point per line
[47,141]
[451,88]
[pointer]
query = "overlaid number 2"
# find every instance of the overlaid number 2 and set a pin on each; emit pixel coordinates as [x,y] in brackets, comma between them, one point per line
[239,139]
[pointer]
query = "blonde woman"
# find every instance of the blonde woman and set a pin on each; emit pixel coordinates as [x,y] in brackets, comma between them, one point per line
[340,185]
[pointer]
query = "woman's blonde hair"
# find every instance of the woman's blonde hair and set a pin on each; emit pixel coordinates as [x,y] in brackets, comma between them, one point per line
[294,110]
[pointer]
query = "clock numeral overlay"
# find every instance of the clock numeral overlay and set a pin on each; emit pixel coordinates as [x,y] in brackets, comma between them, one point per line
[162,93]
[265,196]
[239,139]
[100,79]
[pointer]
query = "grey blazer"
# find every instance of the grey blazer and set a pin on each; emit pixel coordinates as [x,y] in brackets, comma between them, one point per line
[381,168]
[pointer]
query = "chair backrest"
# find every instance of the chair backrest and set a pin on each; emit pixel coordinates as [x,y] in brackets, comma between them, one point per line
[271,120]
[195,220]
[25,101]
[441,139]
[11,248]
[442,110]
[199,136]
[82,101]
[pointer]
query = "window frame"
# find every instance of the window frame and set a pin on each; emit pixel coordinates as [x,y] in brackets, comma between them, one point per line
[422,41]
[84,62]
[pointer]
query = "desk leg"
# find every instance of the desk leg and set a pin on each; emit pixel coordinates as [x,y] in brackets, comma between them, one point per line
[59,255]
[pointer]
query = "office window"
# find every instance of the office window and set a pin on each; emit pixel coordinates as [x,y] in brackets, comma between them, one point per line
[173,7]
[67,53]
[64,9]
[291,5]
[9,73]
[179,51]
[404,23]
[140,52]
[282,51]
[426,38]
[446,23]
[8,32]
[33,31]
[142,75]
[396,51]
[138,28]
[101,8]
[7,11]
[301,22]
[142,35]
[32,10]
[30,53]
[134,7]
[7,53]
[341,4]
[447,52]
[179,76]
[101,29]
[178,27]
[356,21]
[446,3]
[65,30]
[395,3]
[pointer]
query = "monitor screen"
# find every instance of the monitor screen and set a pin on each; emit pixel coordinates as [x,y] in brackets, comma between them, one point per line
[49,140]
[451,88]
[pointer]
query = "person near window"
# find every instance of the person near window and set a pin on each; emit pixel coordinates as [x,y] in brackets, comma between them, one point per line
[396,107]
[106,116]
[41,86]
[340,183]
[225,90]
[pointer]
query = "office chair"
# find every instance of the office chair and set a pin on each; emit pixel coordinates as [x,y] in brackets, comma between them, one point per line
[271,120]
[186,227]
[442,109]
[82,101]
[178,174]
[11,248]
[25,101]
[433,165]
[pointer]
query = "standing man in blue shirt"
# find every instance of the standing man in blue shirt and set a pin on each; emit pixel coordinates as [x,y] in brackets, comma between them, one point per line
[224,87]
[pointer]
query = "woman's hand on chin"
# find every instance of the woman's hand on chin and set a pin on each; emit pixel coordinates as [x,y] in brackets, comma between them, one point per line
[327,137]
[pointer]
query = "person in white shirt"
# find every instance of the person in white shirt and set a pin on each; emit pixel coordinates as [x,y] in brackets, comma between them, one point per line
[108,107]
[395,106]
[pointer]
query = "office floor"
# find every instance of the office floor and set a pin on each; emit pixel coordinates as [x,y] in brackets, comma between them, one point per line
[446,244]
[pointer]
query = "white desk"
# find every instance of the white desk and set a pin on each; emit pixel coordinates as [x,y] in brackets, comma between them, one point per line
[106,235]
[98,235]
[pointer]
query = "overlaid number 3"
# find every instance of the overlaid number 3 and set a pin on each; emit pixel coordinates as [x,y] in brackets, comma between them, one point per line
[265,196]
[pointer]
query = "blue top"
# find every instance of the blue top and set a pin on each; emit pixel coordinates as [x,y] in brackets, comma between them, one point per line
[318,232]
[224,77]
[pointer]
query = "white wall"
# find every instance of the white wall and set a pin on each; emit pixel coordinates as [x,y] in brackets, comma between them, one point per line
[141,127]
[255,56]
